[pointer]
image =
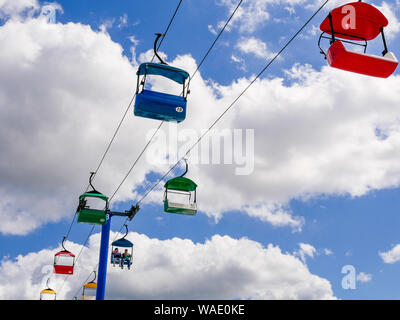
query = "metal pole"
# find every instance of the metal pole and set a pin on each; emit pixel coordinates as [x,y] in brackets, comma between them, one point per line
[103,259]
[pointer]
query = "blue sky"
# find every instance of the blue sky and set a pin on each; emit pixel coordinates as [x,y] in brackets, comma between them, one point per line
[346,210]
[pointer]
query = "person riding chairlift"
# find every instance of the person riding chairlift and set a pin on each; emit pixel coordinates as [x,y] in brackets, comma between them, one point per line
[126,257]
[116,255]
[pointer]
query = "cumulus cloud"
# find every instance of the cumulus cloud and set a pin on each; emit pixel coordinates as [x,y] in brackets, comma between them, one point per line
[305,250]
[64,88]
[253,15]
[389,12]
[391,256]
[254,46]
[364,277]
[14,8]
[277,216]
[312,137]
[219,268]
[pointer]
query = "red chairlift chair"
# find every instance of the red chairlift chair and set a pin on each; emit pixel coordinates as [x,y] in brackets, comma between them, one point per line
[64,261]
[357,21]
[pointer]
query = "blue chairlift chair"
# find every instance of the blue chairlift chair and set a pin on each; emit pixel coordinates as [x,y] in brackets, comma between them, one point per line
[158,105]
[122,244]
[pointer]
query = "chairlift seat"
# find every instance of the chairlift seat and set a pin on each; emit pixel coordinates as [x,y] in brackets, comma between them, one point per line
[339,57]
[180,208]
[160,106]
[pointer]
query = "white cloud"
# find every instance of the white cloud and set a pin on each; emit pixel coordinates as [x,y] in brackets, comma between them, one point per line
[254,46]
[123,21]
[315,135]
[393,27]
[249,16]
[277,216]
[306,250]
[14,8]
[219,268]
[364,277]
[391,256]
[60,100]
[134,42]
[308,137]
[211,29]
[252,15]
[107,24]
[240,62]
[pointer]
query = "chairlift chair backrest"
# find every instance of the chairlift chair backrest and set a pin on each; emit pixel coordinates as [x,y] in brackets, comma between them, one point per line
[355,21]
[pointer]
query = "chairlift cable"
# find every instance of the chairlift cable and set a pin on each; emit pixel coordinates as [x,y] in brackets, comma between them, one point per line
[79,255]
[236,99]
[133,98]
[215,41]
[115,133]
[111,142]
[191,77]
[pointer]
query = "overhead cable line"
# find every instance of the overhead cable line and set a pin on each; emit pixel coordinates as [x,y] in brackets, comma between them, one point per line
[126,111]
[134,96]
[78,256]
[235,100]
[116,132]
[124,116]
[216,39]
[228,108]
[158,128]
[191,77]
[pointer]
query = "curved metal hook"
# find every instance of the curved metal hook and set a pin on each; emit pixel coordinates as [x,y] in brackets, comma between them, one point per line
[159,35]
[62,243]
[90,182]
[187,168]
[94,276]
[126,233]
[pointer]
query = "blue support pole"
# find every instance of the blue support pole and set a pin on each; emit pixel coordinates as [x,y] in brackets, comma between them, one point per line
[103,259]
